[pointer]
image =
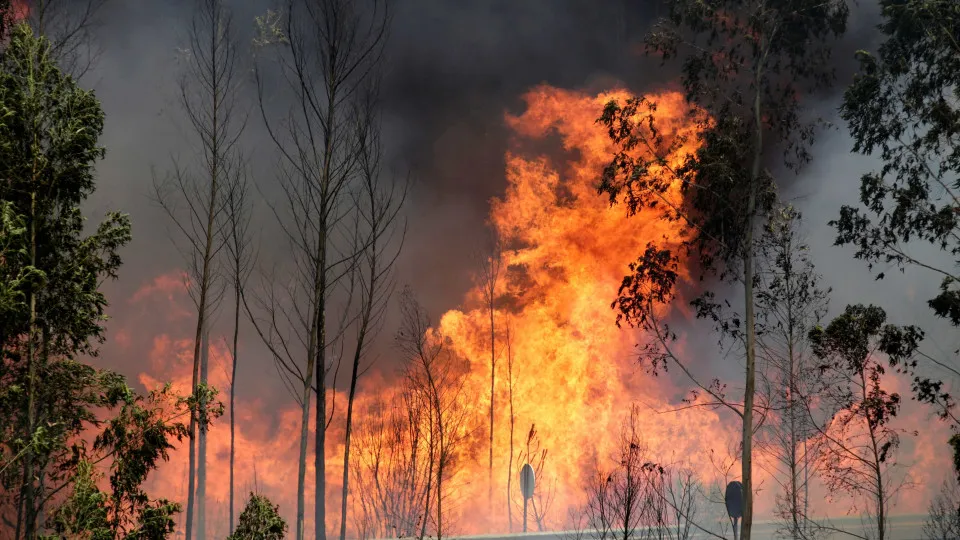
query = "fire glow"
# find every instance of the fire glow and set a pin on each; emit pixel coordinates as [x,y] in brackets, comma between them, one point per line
[575,373]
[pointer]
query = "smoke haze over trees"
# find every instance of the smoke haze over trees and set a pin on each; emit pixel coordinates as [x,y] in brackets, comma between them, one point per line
[485,118]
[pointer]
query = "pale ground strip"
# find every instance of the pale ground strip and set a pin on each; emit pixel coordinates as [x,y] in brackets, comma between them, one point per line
[905,527]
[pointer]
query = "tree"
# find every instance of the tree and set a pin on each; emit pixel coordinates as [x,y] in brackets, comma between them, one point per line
[859,444]
[48,144]
[70,26]
[513,418]
[134,441]
[790,304]
[437,375]
[902,105]
[536,456]
[393,464]
[241,261]
[195,203]
[329,49]
[943,518]
[260,520]
[627,501]
[488,278]
[378,209]
[745,64]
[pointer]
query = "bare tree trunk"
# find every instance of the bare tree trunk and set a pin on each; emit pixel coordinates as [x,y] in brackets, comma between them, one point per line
[304,433]
[233,399]
[378,208]
[512,421]
[489,276]
[202,442]
[27,500]
[427,497]
[208,96]
[748,277]
[320,422]
[237,241]
[332,47]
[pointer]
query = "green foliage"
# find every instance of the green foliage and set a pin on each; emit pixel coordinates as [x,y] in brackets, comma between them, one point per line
[260,520]
[858,442]
[138,437]
[904,105]
[849,346]
[133,441]
[48,146]
[744,66]
[69,401]
[15,273]
[84,511]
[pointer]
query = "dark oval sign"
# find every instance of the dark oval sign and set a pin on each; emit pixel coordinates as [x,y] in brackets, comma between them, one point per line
[734,499]
[526,481]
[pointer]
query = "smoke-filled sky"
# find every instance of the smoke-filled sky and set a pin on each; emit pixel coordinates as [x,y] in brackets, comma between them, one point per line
[455,68]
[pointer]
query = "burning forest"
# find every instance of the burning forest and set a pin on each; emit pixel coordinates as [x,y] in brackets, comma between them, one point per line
[338,282]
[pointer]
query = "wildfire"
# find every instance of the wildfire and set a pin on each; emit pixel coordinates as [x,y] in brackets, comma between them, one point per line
[574,373]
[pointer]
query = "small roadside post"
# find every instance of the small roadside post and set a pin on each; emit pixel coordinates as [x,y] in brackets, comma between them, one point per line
[526,488]
[733,498]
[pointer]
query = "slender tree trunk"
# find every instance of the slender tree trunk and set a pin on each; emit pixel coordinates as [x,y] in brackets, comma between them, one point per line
[791,398]
[320,434]
[191,478]
[751,356]
[440,464]
[304,433]
[320,461]
[233,396]
[346,447]
[431,447]
[794,488]
[493,376]
[512,421]
[27,500]
[878,475]
[202,442]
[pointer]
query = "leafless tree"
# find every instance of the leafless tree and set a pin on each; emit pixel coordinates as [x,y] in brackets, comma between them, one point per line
[543,492]
[328,50]
[790,303]
[677,493]
[943,516]
[488,277]
[620,502]
[392,469]
[195,202]
[70,26]
[638,498]
[241,259]
[380,235]
[438,375]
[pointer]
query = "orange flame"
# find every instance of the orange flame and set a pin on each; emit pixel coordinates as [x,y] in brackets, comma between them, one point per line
[575,376]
